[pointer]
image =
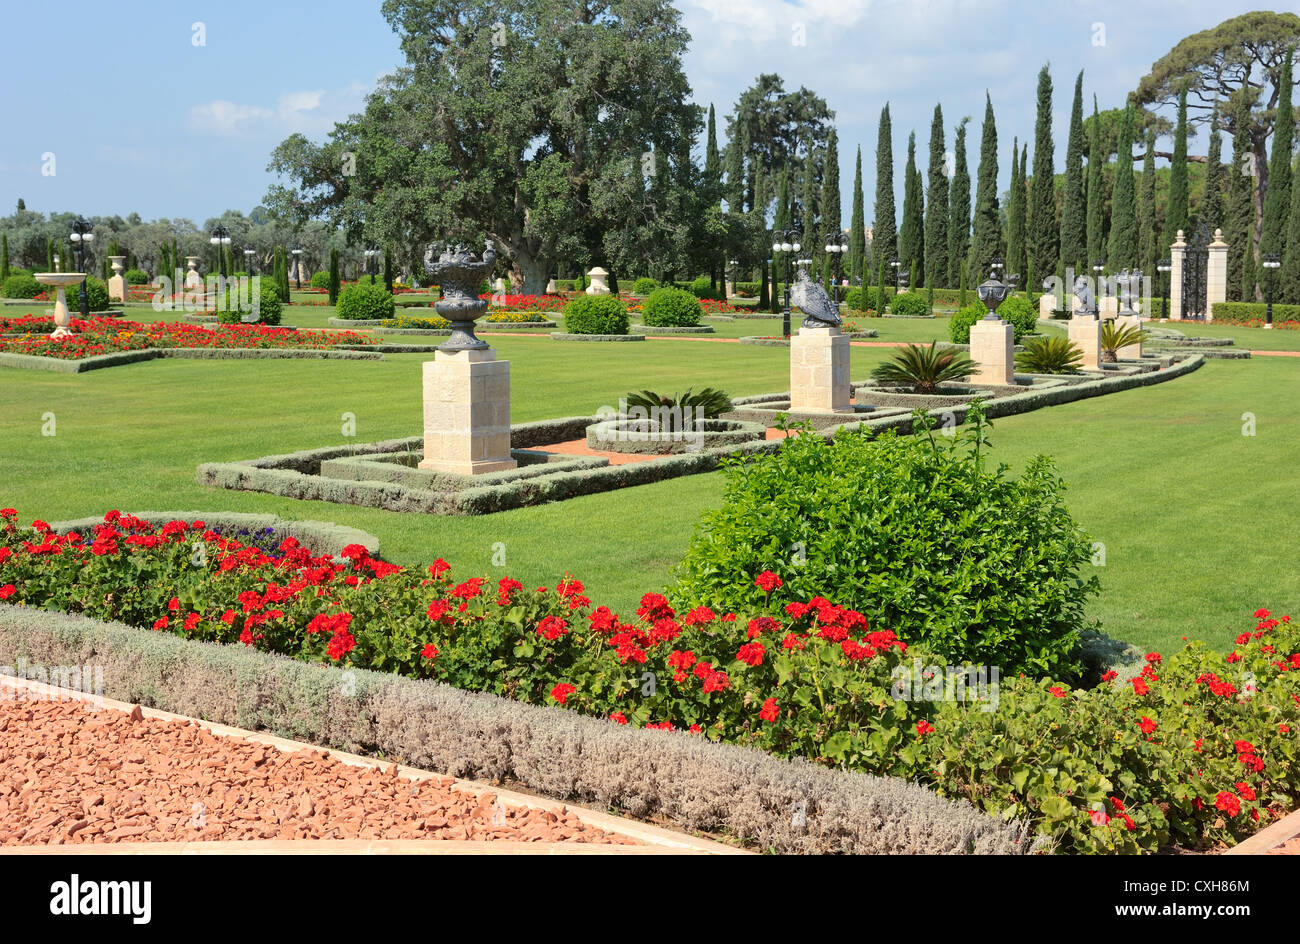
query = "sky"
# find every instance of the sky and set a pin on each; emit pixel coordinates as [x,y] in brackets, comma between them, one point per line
[172,110]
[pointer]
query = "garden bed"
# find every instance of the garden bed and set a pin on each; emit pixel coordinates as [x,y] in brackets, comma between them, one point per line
[644,437]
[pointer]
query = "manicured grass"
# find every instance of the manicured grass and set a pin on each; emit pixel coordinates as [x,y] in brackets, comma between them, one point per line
[1189,510]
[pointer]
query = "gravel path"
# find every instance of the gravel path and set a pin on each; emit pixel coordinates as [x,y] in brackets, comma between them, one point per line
[73,775]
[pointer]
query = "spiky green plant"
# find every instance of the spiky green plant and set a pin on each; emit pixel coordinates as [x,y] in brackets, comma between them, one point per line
[924,368]
[1113,337]
[1049,355]
[678,410]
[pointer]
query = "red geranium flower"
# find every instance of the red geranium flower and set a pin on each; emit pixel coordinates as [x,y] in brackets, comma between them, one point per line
[562,692]
[767,581]
[770,711]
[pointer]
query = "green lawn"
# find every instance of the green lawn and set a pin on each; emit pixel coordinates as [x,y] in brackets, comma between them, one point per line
[1189,510]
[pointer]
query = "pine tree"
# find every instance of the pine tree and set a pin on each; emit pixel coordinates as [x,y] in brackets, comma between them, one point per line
[1148,235]
[1096,198]
[1042,231]
[1210,211]
[959,208]
[1241,208]
[911,235]
[1074,223]
[1176,212]
[1289,275]
[986,227]
[1017,260]
[1123,214]
[858,230]
[884,240]
[830,204]
[937,208]
[1277,199]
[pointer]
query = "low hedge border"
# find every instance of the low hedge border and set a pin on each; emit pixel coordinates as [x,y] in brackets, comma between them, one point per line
[615,436]
[319,537]
[361,469]
[561,336]
[357,323]
[78,366]
[650,329]
[680,778]
[478,328]
[1244,313]
[257,353]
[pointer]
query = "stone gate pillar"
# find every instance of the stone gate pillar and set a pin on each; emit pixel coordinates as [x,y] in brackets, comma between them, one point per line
[1216,275]
[1177,253]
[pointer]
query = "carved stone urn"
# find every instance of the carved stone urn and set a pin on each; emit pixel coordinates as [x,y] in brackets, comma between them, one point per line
[458,273]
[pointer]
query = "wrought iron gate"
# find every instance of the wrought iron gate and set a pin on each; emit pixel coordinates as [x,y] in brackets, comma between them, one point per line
[1195,261]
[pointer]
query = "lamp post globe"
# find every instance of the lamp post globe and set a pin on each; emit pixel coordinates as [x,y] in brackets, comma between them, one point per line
[80,237]
[1270,261]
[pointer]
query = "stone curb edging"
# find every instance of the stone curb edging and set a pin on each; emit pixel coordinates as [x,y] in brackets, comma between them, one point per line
[561,336]
[652,329]
[666,840]
[1284,830]
[78,365]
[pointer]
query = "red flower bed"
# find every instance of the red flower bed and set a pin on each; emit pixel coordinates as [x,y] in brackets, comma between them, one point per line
[109,335]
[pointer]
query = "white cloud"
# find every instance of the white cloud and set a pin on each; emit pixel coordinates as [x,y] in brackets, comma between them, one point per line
[310,111]
[224,118]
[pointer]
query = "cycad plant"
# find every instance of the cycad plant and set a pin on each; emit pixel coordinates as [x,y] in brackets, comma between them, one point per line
[1049,355]
[1113,337]
[924,368]
[678,411]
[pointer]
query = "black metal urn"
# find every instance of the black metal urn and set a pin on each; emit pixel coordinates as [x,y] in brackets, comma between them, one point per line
[458,273]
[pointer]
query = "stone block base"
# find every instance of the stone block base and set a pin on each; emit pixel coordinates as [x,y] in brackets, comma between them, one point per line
[1132,351]
[467,413]
[116,288]
[992,348]
[819,371]
[1085,334]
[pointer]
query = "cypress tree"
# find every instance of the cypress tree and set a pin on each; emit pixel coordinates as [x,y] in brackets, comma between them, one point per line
[884,239]
[1096,198]
[1210,211]
[1123,214]
[911,237]
[858,230]
[1241,208]
[808,207]
[713,194]
[1042,231]
[49,254]
[1176,213]
[937,208]
[782,221]
[961,290]
[1289,274]
[1277,199]
[986,227]
[1016,197]
[4,256]
[388,270]
[959,208]
[880,287]
[1074,224]
[1148,234]
[334,276]
[735,166]
[831,199]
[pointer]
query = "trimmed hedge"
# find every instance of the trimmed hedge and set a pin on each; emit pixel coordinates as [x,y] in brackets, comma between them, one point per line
[1253,314]
[362,301]
[909,305]
[563,336]
[677,777]
[644,286]
[21,285]
[672,308]
[264,300]
[1015,310]
[595,314]
[660,329]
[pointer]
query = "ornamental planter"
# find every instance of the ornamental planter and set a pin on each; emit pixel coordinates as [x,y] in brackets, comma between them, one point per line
[647,437]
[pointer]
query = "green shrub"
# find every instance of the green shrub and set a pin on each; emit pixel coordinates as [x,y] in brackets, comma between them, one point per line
[672,308]
[320,279]
[21,285]
[1052,354]
[136,277]
[263,299]
[1017,311]
[644,286]
[924,368]
[680,406]
[362,301]
[703,288]
[595,314]
[1114,337]
[863,299]
[909,305]
[960,324]
[96,295]
[1252,314]
[914,532]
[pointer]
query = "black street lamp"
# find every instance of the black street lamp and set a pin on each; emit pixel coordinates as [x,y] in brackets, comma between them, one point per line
[80,236]
[786,241]
[731,263]
[895,264]
[1163,267]
[250,261]
[221,239]
[371,255]
[1271,262]
[837,244]
[297,268]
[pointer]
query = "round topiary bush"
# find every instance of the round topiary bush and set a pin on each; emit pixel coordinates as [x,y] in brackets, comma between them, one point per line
[136,277]
[21,285]
[703,288]
[1016,311]
[262,306]
[362,301]
[596,314]
[96,295]
[960,325]
[672,308]
[884,526]
[644,286]
[320,279]
[909,305]
[862,299]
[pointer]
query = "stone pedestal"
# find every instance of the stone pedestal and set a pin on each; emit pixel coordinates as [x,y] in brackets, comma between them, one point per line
[1046,305]
[598,284]
[1216,274]
[992,348]
[819,371]
[1085,334]
[117,282]
[1177,252]
[1108,307]
[1131,351]
[192,278]
[550,287]
[467,413]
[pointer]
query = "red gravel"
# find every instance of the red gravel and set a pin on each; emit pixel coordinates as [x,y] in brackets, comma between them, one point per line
[72,775]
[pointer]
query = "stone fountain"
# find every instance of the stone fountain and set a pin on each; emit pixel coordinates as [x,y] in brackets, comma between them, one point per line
[60,280]
[466,389]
